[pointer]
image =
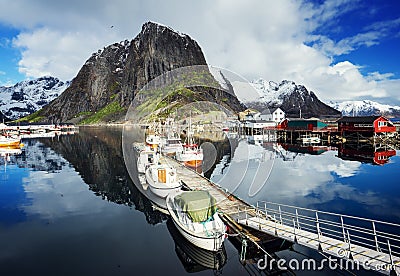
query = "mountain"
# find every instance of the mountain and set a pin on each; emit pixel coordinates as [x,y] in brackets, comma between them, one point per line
[108,81]
[29,96]
[291,97]
[365,108]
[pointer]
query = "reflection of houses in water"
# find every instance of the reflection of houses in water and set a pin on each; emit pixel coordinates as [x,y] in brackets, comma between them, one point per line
[288,152]
[367,153]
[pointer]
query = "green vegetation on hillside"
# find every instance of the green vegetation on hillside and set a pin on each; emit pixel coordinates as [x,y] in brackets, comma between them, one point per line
[103,113]
[32,118]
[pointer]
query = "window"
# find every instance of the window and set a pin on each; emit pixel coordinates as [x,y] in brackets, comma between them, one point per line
[382,124]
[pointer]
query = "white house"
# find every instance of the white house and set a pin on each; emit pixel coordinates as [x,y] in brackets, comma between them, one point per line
[278,115]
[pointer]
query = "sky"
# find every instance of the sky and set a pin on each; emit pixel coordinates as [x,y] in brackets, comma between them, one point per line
[340,49]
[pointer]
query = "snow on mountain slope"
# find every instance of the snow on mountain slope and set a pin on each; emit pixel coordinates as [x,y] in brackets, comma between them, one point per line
[365,108]
[29,96]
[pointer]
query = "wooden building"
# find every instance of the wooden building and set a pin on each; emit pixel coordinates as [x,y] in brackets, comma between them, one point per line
[373,124]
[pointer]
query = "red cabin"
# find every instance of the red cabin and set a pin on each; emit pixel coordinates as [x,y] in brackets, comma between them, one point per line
[373,124]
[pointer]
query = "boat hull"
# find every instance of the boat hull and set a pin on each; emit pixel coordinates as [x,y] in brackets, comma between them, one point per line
[161,189]
[210,243]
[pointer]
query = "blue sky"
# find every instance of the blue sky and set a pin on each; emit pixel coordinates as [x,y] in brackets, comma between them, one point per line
[340,49]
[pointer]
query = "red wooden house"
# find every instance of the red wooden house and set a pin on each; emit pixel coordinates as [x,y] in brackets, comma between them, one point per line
[367,124]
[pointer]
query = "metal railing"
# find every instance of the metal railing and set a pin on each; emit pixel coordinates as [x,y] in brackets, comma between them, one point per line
[375,235]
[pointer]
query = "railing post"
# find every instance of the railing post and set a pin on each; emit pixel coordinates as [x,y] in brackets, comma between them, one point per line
[376,237]
[297,220]
[350,256]
[245,212]
[265,208]
[344,233]
[390,255]
[294,231]
[276,231]
[318,231]
[280,214]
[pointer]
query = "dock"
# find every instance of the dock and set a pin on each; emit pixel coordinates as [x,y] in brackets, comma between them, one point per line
[369,244]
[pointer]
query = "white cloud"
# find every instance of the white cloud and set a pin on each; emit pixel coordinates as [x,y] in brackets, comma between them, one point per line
[253,38]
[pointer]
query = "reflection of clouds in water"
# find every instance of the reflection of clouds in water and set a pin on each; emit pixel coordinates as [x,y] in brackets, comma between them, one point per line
[307,181]
[55,195]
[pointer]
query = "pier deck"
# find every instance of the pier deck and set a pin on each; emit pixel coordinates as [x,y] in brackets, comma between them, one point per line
[366,243]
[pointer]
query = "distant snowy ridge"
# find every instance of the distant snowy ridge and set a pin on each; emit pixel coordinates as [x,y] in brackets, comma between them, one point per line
[28,96]
[365,108]
[291,97]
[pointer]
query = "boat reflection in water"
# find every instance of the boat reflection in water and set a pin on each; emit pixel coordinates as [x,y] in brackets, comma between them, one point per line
[193,258]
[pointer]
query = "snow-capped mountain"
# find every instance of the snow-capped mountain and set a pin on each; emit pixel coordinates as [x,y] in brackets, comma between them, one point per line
[365,108]
[291,97]
[29,96]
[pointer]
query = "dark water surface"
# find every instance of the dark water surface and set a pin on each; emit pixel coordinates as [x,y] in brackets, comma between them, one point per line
[69,207]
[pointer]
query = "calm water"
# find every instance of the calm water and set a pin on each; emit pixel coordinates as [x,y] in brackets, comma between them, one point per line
[69,207]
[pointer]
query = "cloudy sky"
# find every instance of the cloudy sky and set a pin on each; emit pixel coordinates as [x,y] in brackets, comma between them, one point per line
[340,49]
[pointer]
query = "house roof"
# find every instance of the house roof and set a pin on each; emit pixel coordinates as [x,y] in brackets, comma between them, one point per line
[358,119]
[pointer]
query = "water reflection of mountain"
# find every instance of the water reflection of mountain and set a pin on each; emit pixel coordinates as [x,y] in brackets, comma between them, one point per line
[96,155]
[375,154]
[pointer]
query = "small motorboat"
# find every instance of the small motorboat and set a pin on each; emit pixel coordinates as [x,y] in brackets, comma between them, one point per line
[195,215]
[162,179]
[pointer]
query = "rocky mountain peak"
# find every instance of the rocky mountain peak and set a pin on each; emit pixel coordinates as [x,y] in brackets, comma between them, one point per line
[109,80]
[291,97]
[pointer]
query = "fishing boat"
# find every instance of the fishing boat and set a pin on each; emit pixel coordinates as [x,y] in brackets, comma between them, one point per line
[153,140]
[191,155]
[145,159]
[162,179]
[9,142]
[195,215]
[171,145]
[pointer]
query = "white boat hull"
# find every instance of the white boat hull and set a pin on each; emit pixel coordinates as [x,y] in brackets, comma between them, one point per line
[212,243]
[161,189]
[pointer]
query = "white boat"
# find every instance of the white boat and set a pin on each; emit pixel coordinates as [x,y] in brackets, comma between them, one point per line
[309,139]
[145,159]
[191,155]
[162,179]
[153,140]
[9,142]
[195,215]
[171,145]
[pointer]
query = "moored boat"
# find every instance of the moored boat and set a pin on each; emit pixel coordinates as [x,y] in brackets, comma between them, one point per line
[191,155]
[171,146]
[162,179]
[195,215]
[9,142]
[153,140]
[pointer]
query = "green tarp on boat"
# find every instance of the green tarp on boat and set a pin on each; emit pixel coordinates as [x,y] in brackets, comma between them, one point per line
[199,205]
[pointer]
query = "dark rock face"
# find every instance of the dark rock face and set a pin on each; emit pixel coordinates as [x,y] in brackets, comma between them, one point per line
[118,71]
[310,105]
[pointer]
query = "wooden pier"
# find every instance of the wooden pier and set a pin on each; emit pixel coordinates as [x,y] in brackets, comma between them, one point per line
[366,243]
